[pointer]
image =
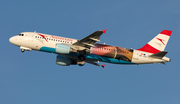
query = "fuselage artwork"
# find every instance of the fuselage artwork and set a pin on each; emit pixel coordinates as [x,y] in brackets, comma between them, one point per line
[76,52]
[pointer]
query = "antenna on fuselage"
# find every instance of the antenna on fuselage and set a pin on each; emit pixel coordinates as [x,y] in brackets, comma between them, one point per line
[34,31]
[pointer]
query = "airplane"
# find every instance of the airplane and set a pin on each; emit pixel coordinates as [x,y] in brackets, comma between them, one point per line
[78,52]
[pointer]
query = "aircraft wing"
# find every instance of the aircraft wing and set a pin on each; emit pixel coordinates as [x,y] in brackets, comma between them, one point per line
[90,40]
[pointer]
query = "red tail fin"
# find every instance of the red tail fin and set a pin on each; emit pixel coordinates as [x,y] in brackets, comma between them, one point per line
[158,43]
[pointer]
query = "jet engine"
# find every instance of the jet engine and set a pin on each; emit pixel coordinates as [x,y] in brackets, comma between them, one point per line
[62,49]
[64,61]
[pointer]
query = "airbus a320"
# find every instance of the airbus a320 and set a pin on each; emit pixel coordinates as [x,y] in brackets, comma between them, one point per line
[78,52]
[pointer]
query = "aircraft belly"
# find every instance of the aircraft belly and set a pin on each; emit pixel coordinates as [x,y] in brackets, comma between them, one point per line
[108,60]
[99,58]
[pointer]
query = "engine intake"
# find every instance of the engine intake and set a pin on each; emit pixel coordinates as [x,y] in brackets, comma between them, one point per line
[62,49]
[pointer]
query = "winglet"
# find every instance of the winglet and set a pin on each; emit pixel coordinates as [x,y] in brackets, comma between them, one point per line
[103,65]
[104,31]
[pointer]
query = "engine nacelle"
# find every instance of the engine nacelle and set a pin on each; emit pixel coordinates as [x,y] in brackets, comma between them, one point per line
[62,49]
[64,61]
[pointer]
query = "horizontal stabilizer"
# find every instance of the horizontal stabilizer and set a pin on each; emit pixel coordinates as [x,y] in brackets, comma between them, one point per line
[159,55]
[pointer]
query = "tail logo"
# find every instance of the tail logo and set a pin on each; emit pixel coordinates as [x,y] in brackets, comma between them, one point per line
[161,40]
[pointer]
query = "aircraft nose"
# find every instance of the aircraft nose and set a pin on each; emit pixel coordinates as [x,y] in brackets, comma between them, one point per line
[11,40]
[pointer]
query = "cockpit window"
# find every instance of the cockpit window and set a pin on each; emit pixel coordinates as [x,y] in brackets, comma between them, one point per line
[21,34]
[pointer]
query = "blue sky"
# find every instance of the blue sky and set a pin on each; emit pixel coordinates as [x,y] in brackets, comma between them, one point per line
[34,78]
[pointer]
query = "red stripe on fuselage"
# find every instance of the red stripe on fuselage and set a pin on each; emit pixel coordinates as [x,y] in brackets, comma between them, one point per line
[150,49]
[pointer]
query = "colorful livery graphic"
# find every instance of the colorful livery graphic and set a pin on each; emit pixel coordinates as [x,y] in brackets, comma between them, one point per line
[112,52]
[78,52]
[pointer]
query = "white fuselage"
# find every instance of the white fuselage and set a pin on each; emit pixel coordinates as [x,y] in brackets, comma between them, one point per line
[36,41]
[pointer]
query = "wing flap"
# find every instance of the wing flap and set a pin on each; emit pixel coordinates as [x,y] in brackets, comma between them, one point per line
[91,45]
[97,40]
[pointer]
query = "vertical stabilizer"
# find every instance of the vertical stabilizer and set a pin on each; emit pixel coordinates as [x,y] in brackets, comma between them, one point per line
[158,43]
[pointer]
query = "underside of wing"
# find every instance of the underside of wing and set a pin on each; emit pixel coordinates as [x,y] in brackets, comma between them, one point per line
[96,64]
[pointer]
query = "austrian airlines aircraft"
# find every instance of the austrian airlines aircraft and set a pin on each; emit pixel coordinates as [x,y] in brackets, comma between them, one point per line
[77,52]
